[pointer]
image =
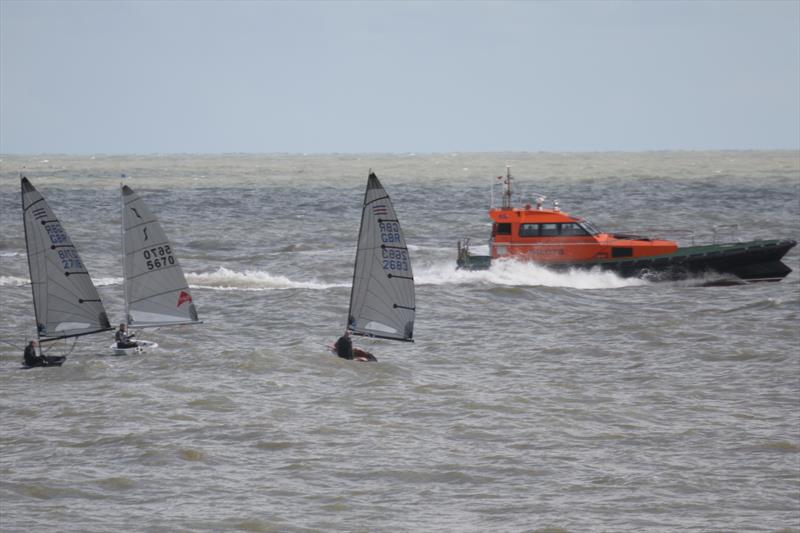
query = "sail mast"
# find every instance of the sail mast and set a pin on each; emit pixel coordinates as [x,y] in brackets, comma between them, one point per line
[27,247]
[122,237]
[355,261]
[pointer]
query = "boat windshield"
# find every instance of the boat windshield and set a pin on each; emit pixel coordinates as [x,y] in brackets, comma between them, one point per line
[589,227]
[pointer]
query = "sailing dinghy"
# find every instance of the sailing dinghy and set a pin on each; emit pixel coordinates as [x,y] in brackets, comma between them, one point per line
[156,292]
[382,303]
[65,301]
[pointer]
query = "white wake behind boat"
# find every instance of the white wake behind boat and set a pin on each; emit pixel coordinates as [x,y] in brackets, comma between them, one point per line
[156,292]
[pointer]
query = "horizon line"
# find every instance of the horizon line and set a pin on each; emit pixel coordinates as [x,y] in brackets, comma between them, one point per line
[402,153]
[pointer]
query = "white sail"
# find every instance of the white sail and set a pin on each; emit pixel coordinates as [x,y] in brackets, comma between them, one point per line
[382,298]
[65,300]
[156,292]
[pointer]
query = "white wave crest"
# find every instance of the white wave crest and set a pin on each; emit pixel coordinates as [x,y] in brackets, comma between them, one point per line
[13,281]
[250,280]
[519,274]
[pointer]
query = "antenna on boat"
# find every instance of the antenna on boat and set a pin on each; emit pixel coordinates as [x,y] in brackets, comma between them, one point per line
[507,191]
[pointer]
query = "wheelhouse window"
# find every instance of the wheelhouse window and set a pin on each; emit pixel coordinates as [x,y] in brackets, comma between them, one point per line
[502,228]
[549,230]
[590,228]
[565,229]
[572,229]
[529,230]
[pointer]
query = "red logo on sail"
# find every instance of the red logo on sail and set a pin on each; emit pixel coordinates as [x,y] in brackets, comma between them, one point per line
[184,297]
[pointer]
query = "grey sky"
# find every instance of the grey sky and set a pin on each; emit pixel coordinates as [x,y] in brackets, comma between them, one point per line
[215,77]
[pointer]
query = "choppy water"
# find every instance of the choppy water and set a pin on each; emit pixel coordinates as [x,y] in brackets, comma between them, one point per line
[530,401]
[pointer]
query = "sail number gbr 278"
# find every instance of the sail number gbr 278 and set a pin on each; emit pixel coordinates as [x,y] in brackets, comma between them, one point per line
[158,257]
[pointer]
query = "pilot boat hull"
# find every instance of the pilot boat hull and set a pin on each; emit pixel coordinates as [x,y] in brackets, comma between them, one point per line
[752,261]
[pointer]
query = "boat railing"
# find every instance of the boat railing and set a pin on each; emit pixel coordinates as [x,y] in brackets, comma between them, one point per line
[679,235]
[714,235]
[728,232]
[673,234]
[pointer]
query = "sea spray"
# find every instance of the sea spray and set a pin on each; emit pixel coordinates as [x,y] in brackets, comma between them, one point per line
[520,274]
[251,280]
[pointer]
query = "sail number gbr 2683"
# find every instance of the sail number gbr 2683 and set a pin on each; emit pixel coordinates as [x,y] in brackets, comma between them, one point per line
[394,259]
[158,257]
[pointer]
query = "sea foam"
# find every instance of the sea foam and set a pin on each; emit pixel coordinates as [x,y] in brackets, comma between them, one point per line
[251,280]
[519,274]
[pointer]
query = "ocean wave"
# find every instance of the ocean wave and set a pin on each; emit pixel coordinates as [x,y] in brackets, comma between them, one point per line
[13,281]
[519,274]
[251,280]
[212,245]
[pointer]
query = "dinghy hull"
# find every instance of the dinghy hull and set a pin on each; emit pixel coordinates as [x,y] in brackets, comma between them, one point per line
[142,347]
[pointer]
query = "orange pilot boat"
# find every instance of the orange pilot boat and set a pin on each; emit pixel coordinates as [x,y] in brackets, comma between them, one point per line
[558,240]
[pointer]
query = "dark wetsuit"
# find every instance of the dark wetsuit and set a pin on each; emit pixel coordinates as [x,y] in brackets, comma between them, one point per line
[124,339]
[31,359]
[344,347]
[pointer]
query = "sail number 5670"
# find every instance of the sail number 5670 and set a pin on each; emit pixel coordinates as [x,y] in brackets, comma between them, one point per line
[158,257]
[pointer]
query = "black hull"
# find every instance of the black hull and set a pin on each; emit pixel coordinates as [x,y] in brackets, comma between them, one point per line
[49,361]
[751,261]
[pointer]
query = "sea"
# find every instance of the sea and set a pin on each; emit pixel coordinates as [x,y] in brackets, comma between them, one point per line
[530,401]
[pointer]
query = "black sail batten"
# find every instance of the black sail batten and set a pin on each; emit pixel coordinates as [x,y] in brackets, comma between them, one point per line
[145,273]
[382,299]
[24,181]
[186,288]
[374,199]
[378,336]
[51,339]
[65,301]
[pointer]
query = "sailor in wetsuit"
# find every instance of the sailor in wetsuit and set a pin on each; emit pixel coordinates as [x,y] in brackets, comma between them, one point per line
[31,358]
[344,346]
[344,349]
[123,338]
